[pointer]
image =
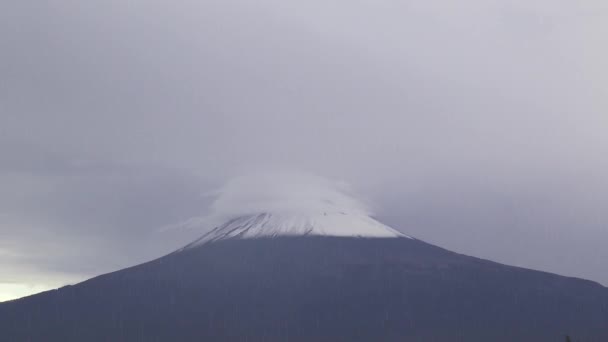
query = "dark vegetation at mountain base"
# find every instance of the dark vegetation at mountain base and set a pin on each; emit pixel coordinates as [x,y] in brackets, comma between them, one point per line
[314,289]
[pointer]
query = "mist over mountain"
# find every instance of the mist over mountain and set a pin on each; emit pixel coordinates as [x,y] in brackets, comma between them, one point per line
[477,120]
[182,171]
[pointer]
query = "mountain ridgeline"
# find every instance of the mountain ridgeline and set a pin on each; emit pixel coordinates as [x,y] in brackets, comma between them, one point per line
[269,278]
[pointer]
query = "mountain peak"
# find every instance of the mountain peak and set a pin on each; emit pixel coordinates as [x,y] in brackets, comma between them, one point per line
[291,224]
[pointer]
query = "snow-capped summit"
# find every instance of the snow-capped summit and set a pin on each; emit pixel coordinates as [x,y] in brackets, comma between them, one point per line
[272,204]
[284,224]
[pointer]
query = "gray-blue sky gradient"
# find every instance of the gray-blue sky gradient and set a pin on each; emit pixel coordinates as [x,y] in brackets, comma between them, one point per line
[476,125]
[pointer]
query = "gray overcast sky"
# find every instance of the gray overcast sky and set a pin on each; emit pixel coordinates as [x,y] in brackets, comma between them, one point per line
[478,125]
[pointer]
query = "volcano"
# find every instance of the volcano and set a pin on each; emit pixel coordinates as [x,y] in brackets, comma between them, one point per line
[332,276]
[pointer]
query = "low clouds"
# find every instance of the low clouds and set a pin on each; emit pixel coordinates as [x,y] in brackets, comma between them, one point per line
[468,125]
[277,191]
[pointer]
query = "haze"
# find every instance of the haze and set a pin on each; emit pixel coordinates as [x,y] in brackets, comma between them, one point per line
[479,126]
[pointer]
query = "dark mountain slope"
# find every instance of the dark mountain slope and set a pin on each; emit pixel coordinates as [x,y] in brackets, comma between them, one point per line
[314,289]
